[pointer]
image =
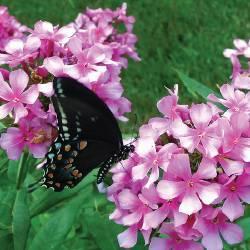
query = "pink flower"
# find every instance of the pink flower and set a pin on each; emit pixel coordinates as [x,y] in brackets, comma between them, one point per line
[169,106]
[152,159]
[203,136]
[234,144]
[18,51]
[189,188]
[33,133]
[234,100]
[174,241]
[235,190]
[212,223]
[15,94]
[9,27]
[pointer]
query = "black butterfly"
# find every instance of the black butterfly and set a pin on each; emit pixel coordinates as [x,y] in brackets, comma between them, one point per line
[88,137]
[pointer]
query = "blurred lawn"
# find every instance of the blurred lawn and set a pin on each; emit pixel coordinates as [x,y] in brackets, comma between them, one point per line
[188,35]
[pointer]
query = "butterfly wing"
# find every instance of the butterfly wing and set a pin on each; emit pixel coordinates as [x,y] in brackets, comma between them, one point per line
[82,114]
[88,135]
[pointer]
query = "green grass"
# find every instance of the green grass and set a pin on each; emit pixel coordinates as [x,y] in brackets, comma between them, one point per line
[186,35]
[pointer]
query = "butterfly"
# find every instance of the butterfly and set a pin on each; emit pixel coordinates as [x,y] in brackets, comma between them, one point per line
[88,137]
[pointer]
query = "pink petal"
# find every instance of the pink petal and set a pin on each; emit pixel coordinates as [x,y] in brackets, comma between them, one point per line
[75,71]
[190,204]
[227,92]
[232,233]
[128,238]
[5,90]
[32,44]
[170,189]
[155,218]
[212,241]
[233,208]
[201,115]
[180,166]
[144,146]
[131,219]
[75,45]
[158,244]
[43,27]
[211,145]
[209,193]
[231,166]
[38,150]
[46,88]
[14,46]
[240,44]
[154,175]
[18,81]
[244,194]
[54,65]
[5,109]
[20,111]
[30,95]
[95,55]
[206,170]
[63,34]
[179,218]
[127,199]
[140,171]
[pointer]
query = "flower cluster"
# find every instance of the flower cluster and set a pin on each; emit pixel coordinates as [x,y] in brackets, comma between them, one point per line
[188,179]
[9,27]
[240,75]
[91,49]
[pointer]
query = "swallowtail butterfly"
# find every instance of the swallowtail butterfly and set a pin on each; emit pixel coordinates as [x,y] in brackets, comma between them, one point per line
[88,137]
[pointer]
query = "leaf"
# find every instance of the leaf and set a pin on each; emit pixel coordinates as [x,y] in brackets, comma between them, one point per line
[245,224]
[6,204]
[12,170]
[101,228]
[54,232]
[48,198]
[23,166]
[21,220]
[194,87]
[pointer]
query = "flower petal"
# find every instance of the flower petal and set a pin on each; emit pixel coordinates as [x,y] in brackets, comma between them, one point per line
[170,189]
[201,115]
[46,88]
[5,109]
[190,204]
[232,233]
[128,238]
[209,193]
[14,46]
[18,81]
[233,208]
[30,95]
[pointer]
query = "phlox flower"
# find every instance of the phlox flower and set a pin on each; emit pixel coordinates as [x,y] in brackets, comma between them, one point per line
[234,144]
[9,27]
[15,96]
[203,136]
[152,159]
[33,133]
[213,224]
[234,100]
[235,190]
[19,51]
[189,188]
[174,240]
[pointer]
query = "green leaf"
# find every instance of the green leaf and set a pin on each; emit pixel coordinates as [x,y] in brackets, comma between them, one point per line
[12,170]
[194,87]
[21,220]
[47,199]
[54,232]
[245,224]
[23,166]
[6,204]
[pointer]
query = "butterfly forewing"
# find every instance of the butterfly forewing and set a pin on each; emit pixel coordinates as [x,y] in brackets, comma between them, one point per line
[88,135]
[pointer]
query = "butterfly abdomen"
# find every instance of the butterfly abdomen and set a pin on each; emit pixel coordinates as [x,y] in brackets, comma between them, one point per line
[115,158]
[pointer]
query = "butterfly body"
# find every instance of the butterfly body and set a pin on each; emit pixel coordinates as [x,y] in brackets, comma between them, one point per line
[88,137]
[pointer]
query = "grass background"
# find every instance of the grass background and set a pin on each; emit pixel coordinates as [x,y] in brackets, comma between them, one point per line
[188,35]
